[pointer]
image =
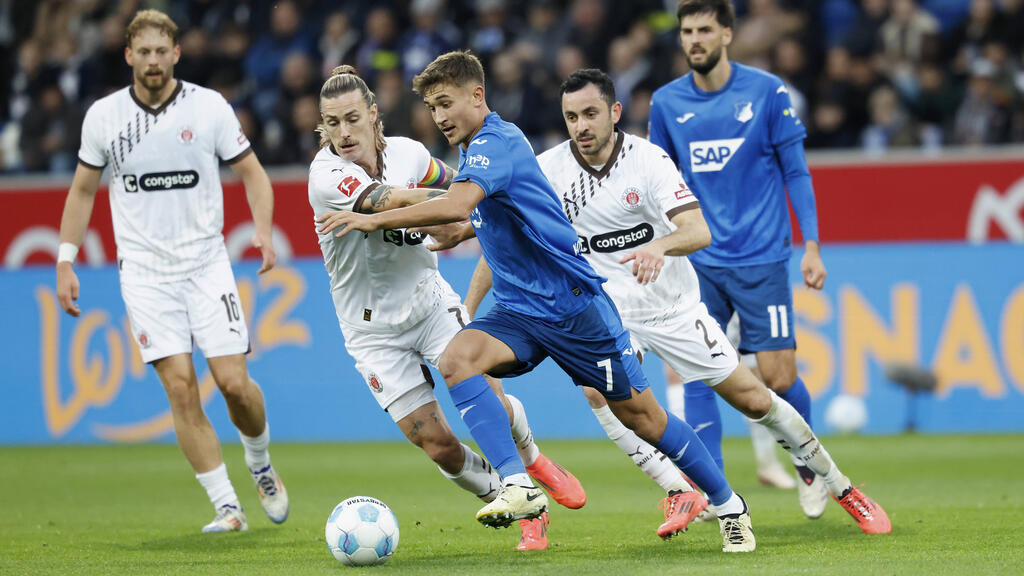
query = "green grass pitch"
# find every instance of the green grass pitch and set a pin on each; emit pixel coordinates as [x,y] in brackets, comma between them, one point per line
[956,504]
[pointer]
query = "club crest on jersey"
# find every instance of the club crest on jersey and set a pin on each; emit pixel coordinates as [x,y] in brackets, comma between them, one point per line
[375,383]
[144,341]
[631,198]
[744,111]
[186,135]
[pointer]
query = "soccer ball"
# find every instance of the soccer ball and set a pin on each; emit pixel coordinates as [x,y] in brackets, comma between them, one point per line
[362,531]
[846,414]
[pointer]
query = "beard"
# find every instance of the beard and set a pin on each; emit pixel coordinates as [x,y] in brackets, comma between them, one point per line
[154,83]
[709,63]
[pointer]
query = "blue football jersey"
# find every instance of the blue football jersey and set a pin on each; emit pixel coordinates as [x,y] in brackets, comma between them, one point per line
[724,143]
[529,244]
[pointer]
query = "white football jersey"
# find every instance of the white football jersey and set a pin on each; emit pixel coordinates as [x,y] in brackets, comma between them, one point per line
[616,208]
[387,280]
[165,194]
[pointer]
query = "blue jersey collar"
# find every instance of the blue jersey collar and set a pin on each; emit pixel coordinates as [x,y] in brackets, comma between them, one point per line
[733,70]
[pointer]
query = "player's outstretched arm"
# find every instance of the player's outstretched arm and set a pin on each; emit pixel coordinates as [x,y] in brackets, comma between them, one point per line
[453,206]
[73,223]
[385,197]
[260,195]
[691,234]
[478,287]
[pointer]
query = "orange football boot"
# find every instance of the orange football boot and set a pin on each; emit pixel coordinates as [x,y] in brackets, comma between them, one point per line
[680,509]
[534,533]
[559,482]
[871,518]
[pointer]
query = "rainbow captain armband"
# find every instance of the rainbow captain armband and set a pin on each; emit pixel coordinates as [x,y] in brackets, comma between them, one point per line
[435,174]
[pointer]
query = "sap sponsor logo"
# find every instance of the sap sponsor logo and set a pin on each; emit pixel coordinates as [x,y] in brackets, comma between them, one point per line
[744,111]
[160,181]
[478,160]
[622,239]
[631,198]
[713,155]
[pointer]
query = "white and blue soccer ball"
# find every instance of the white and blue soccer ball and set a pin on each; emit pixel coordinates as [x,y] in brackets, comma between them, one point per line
[846,414]
[362,531]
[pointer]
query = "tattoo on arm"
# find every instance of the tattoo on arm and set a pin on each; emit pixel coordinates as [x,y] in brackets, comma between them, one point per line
[449,175]
[379,197]
[436,193]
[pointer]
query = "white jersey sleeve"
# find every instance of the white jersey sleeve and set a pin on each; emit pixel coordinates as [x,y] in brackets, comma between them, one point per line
[338,188]
[93,151]
[664,180]
[421,160]
[231,142]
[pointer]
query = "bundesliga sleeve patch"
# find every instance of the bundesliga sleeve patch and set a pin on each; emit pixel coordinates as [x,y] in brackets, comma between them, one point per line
[349,185]
[683,192]
[435,174]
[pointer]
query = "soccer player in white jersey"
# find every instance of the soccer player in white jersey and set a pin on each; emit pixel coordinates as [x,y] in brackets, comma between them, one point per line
[163,139]
[637,220]
[395,310]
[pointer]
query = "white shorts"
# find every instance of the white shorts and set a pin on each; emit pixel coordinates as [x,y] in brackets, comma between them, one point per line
[394,365]
[167,316]
[694,345]
[733,332]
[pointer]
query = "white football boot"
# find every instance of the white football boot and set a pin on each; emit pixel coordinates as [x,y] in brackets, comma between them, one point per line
[273,496]
[230,518]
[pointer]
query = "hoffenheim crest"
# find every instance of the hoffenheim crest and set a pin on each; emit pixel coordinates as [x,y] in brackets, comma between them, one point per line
[744,111]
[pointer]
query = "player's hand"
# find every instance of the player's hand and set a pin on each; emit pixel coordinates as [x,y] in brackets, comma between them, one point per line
[345,221]
[812,267]
[266,247]
[67,288]
[647,261]
[445,236]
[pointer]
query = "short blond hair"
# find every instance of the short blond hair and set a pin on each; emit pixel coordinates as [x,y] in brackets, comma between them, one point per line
[151,19]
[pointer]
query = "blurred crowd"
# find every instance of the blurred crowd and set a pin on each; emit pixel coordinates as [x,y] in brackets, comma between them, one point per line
[869,74]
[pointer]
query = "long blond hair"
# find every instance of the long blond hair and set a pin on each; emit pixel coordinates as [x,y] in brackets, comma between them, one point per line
[342,81]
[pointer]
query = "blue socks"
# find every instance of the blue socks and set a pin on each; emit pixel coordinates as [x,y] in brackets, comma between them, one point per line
[701,408]
[488,422]
[798,397]
[681,444]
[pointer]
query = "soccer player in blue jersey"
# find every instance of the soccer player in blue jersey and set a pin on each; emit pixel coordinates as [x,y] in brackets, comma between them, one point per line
[549,300]
[733,133]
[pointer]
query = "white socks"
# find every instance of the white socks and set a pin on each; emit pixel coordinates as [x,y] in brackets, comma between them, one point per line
[676,402]
[476,477]
[521,433]
[764,445]
[734,505]
[256,455]
[786,424]
[218,486]
[655,464]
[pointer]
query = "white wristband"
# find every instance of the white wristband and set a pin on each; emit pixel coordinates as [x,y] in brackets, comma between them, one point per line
[66,252]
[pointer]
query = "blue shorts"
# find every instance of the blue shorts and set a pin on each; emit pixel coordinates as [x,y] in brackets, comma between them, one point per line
[762,297]
[592,347]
